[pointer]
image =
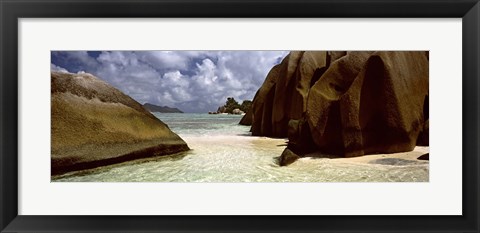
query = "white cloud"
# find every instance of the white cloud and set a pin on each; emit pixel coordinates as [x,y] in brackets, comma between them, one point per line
[53,67]
[194,81]
[164,59]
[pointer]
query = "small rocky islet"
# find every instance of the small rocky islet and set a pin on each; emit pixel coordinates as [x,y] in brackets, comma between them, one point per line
[344,103]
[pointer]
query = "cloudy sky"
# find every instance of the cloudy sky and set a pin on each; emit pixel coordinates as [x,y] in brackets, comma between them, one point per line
[193,81]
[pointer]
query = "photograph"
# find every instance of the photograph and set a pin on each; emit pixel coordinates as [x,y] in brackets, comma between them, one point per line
[239,116]
[233,116]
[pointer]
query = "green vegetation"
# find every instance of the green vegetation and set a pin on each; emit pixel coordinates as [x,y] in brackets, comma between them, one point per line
[246,105]
[232,104]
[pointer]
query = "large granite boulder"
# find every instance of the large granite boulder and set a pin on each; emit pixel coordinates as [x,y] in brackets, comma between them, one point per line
[247,118]
[346,103]
[94,124]
[282,98]
[423,138]
[373,105]
[310,68]
[263,104]
[323,107]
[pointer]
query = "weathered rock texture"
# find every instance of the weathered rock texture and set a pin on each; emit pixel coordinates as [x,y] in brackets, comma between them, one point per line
[94,124]
[287,157]
[346,103]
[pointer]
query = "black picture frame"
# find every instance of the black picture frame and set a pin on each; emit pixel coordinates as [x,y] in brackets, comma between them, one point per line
[11,11]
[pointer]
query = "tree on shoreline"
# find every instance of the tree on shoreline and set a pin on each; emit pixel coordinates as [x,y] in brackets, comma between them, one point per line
[231,104]
[246,105]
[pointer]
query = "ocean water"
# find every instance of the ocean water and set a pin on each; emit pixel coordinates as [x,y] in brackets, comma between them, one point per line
[223,151]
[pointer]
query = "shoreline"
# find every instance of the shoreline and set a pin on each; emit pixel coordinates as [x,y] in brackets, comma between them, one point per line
[228,155]
[373,158]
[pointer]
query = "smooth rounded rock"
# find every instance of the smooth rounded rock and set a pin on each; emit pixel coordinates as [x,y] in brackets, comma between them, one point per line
[93,124]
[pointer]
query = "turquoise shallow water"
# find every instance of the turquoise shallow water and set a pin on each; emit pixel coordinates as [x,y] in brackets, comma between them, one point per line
[223,151]
[200,124]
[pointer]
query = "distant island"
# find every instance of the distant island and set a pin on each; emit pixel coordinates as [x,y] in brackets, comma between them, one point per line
[231,106]
[164,109]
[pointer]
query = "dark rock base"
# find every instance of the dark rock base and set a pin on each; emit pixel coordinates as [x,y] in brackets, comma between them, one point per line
[65,165]
[288,157]
[424,157]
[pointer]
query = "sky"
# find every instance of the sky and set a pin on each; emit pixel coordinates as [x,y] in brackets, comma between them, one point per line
[193,81]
